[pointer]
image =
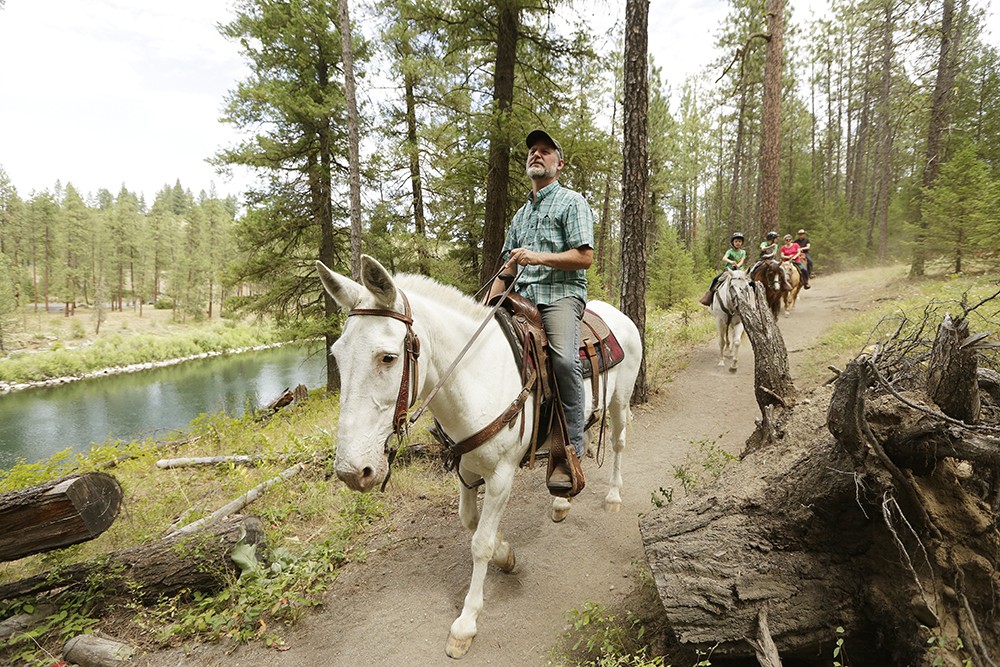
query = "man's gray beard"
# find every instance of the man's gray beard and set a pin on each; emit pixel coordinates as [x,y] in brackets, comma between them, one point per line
[540,171]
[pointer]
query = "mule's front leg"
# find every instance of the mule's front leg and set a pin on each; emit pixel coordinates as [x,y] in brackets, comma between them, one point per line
[468,507]
[735,338]
[487,544]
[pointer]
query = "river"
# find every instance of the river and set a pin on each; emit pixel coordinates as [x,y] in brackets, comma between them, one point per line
[37,423]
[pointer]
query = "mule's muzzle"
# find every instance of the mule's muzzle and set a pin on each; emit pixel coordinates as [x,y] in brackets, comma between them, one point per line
[361,478]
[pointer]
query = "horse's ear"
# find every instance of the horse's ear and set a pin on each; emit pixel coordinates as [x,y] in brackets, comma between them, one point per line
[344,291]
[378,281]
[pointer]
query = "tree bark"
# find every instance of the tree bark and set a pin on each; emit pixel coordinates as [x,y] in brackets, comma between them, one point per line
[880,210]
[940,114]
[57,514]
[773,386]
[416,181]
[778,531]
[770,147]
[872,526]
[93,651]
[199,562]
[353,140]
[498,176]
[635,175]
[952,380]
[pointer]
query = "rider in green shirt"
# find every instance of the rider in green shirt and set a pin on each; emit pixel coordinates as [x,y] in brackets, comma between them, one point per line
[733,260]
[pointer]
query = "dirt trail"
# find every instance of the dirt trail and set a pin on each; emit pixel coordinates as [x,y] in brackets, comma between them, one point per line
[395,609]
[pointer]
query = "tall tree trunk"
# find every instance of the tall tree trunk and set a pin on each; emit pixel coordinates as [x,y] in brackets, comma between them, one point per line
[884,145]
[635,174]
[353,141]
[940,113]
[734,188]
[416,183]
[320,192]
[605,225]
[498,176]
[770,147]
[858,180]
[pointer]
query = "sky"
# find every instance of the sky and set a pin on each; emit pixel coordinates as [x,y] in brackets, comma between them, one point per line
[112,93]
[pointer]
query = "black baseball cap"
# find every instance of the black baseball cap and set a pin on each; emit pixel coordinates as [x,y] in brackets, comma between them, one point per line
[541,135]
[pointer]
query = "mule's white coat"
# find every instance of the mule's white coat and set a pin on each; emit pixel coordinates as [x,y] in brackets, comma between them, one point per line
[727,319]
[369,354]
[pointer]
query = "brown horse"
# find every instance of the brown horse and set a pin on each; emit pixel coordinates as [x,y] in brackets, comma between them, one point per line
[769,274]
[794,277]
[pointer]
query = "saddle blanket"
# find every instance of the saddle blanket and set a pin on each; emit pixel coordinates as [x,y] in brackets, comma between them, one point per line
[609,352]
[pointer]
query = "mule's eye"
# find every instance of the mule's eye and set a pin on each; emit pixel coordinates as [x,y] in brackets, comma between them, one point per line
[389,358]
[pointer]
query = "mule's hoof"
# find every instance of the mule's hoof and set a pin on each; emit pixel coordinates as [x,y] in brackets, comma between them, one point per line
[507,563]
[560,509]
[721,363]
[458,647]
[612,506]
[732,369]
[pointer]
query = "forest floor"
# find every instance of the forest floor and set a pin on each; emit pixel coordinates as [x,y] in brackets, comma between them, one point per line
[395,607]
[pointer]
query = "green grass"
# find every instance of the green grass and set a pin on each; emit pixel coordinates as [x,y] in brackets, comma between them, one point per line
[314,526]
[903,305]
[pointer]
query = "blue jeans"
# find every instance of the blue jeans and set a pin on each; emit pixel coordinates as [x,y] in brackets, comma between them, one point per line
[562,326]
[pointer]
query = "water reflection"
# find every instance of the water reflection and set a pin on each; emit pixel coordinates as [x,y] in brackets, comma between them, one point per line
[37,423]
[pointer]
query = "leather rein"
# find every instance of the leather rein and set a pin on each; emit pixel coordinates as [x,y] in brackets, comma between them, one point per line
[409,385]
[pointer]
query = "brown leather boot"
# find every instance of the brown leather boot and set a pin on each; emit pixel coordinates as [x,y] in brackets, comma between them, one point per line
[706,300]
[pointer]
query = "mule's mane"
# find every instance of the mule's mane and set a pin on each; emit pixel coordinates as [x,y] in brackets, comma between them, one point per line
[441,294]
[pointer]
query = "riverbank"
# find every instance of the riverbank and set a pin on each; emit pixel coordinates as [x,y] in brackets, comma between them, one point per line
[51,349]
[6,388]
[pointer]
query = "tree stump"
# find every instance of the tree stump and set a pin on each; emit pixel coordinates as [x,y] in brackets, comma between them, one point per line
[198,562]
[951,377]
[880,524]
[57,514]
[773,386]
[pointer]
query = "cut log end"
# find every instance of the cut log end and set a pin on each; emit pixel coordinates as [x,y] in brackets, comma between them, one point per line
[57,514]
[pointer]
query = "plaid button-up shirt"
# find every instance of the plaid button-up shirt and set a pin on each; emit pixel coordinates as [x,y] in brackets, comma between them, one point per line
[556,220]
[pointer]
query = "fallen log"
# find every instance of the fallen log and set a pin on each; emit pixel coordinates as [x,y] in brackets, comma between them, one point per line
[781,532]
[57,514]
[15,625]
[192,461]
[879,524]
[239,503]
[94,651]
[198,562]
[287,397]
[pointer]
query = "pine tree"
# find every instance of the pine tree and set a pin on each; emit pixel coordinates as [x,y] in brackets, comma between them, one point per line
[292,106]
[8,302]
[961,209]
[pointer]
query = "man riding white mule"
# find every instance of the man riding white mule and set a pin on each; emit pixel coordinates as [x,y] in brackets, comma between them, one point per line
[398,350]
[552,236]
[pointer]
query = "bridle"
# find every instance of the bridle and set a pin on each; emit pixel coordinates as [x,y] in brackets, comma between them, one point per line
[732,301]
[409,384]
